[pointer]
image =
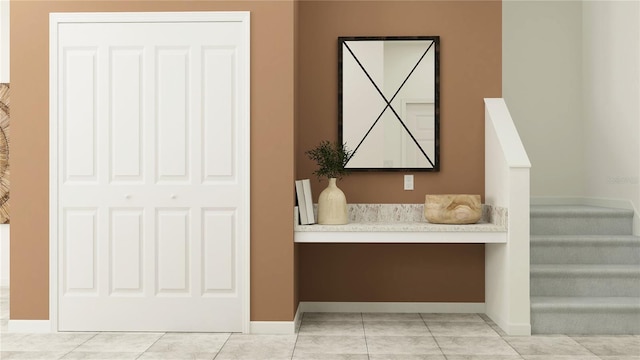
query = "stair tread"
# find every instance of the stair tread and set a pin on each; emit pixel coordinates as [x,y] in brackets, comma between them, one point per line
[584,271]
[585,268]
[538,302]
[578,237]
[577,210]
[586,239]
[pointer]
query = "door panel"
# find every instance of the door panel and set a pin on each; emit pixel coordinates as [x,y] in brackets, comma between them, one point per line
[172,113]
[218,94]
[79,89]
[172,248]
[126,113]
[79,259]
[126,251]
[152,184]
[218,256]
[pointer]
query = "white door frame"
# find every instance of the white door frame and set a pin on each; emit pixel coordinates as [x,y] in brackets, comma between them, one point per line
[243,127]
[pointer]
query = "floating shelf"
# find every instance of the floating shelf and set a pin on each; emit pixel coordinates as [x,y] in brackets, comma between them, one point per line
[402,223]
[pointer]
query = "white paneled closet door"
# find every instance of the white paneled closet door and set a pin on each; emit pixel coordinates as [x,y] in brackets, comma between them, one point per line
[150,163]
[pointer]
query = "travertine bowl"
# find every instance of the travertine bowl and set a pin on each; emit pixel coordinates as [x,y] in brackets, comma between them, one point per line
[452,209]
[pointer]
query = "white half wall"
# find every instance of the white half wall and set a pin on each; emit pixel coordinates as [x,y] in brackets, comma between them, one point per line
[507,185]
[541,84]
[611,107]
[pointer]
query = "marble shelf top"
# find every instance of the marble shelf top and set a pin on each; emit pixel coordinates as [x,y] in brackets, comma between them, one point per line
[406,218]
[403,227]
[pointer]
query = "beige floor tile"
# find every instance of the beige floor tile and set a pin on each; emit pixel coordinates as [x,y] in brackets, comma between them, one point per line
[484,357]
[323,344]
[560,357]
[120,342]
[350,328]
[460,328]
[547,345]
[176,356]
[406,357]
[31,355]
[83,355]
[451,317]
[53,342]
[190,342]
[331,317]
[395,328]
[402,345]
[391,317]
[497,329]
[240,346]
[611,345]
[482,345]
[331,357]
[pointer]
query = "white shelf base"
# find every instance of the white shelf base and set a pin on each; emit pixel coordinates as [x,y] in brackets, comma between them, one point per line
[400,237]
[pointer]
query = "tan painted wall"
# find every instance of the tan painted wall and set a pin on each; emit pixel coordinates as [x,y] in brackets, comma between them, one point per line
[470,70]
[296,38]
[272,164]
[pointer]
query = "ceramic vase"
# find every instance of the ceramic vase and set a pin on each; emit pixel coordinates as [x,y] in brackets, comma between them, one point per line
[332,205]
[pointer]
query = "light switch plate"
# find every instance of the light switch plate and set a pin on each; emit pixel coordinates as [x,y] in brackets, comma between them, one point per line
[408,182]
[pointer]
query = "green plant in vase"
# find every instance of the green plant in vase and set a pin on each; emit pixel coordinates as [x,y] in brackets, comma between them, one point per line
[331,159]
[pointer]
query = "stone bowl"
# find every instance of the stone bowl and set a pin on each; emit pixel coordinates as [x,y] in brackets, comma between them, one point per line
[452,209]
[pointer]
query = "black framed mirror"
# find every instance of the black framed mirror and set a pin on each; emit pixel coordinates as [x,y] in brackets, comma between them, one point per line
[389,102]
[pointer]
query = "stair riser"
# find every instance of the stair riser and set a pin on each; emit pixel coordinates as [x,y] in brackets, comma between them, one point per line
[559,225]
[585,254]
[591,299]
[585,323]
[594,285]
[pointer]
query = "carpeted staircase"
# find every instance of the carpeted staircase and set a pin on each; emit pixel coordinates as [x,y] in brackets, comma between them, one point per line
[585,271]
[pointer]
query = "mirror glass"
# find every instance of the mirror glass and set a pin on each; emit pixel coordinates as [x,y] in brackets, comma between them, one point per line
[388,102]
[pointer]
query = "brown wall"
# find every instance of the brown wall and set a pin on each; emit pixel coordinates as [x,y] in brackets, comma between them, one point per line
[272,162]
[373,272]
[470,70]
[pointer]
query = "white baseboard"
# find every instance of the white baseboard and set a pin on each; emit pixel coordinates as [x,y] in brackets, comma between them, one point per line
[511,329]
[517,329]
[395,307]
[29,326]
[277,327]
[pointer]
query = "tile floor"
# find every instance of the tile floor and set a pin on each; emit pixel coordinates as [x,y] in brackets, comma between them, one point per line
[351,336]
